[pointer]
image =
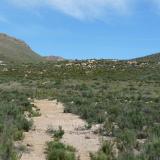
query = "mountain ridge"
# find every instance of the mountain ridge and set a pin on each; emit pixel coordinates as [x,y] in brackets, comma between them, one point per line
[155,57]
[16,51]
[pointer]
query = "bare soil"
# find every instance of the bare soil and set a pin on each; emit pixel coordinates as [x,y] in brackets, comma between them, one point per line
[52,114]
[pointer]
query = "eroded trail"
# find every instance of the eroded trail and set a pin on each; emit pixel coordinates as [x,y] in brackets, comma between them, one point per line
[52,115]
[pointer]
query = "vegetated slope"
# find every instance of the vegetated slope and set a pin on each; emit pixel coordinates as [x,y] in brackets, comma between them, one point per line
[17,51]
[150,58]
[123,96]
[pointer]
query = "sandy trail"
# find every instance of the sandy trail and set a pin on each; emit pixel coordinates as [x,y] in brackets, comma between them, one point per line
[52,115]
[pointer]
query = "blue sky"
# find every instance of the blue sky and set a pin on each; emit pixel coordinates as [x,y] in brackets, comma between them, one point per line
[81,29]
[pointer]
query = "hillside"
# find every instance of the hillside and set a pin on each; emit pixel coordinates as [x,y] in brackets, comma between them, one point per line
[120,97]
[17,51]
[150,58]
[118,101]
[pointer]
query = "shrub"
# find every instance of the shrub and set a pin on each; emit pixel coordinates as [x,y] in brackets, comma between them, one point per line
[128,138]
[130,156]
[58,134]
[152,149]
[18,135]
[7,151]
[108,126]
[58,151]
[155,130]
[105,152]
[12,122]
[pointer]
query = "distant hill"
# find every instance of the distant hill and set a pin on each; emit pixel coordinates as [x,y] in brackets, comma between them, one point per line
[54,58]
[13,50]
[16,51]
[150,58]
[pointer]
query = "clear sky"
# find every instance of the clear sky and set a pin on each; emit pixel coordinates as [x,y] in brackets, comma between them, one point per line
[119,29]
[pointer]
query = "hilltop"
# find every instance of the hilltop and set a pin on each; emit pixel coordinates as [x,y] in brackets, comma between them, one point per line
[13,50]
[150,58]
[16,51]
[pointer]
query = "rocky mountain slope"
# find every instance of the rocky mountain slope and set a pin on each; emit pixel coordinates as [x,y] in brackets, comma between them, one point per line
[16,51]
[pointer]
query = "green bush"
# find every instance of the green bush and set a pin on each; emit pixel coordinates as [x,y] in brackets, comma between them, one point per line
[152,149]
[12,122]
[58,151]
[58,134]
[7,151]
[105,152]
[18,135]
[128,139]
[130,156]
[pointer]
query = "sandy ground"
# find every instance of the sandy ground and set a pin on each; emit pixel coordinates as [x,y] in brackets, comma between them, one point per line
[52,115]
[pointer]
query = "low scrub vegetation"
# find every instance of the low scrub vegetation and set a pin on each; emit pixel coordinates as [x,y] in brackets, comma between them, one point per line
[58,151]
[12,122]
[105,152]
[57,134]
[123,96]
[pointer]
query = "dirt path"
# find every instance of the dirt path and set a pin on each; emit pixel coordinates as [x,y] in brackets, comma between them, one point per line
[52,115]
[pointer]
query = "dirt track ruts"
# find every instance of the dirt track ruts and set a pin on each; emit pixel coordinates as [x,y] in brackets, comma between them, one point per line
[52,115]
